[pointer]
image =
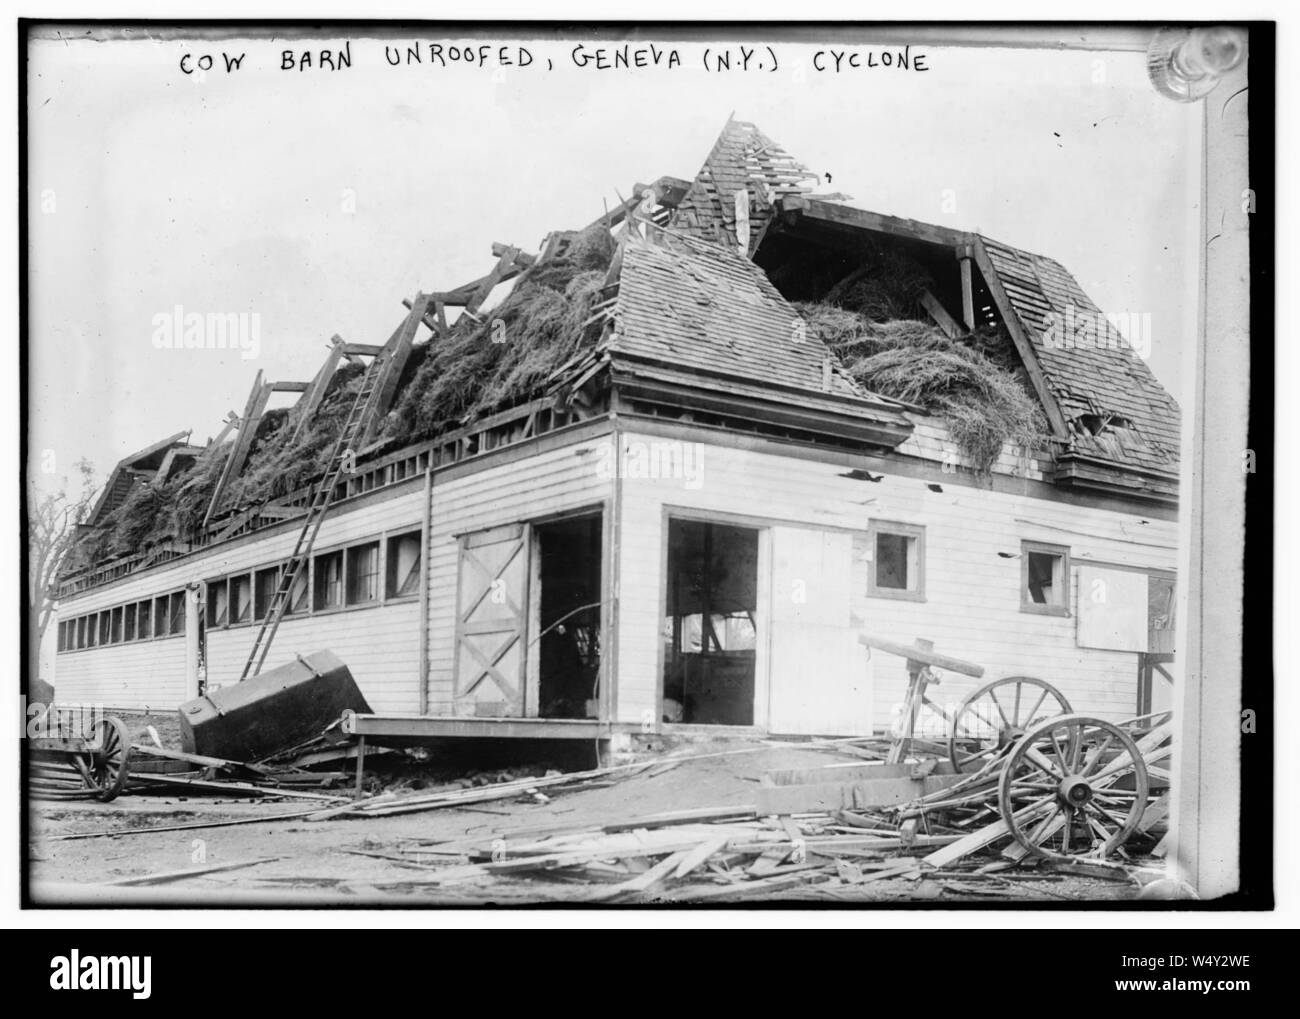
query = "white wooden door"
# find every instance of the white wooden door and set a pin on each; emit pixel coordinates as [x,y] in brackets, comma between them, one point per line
[491,622]
[820,678]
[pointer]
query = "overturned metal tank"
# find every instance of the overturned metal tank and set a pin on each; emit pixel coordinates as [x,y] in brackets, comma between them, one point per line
[272,711]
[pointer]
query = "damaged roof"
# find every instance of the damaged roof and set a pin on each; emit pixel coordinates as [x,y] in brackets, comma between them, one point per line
[704,320]
[710,310]
[1113,411]
[743,158]
[1094,373]
[141,467]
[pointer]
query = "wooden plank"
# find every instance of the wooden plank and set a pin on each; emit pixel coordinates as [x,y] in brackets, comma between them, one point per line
[967,294]
[241,788]
[310,400]
[830,796]
[189,872]
[1024,345]
[395,354]
[257,398]
[923,655]
[940,315]
[745,889]
[696,858]
[656,875]
[833,213]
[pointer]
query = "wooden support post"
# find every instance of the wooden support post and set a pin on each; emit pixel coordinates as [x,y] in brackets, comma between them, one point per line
[940,315]
[361,765]
[394,357]
[261,392]
[231,421]
[316,388]
[967,290]
[918,679]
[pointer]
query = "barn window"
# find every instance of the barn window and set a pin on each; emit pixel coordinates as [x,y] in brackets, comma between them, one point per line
[160,620]
[115,626]
[403,565]
[241,598]
[363,573]
[144,619]
[896,561]
[218,603]
[328,570]
[178,612]
[129,623]
[63,635]
[1044,578]
[298,592]
[265,583]
[105,628]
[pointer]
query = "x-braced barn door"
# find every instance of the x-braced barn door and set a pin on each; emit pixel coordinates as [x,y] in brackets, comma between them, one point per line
[491,626]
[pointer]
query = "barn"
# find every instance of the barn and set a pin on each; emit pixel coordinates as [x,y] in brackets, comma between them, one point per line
[661,476]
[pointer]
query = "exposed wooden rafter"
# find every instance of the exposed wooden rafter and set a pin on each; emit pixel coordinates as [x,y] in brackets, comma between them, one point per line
[257,398]
[1024,345]
[319,384]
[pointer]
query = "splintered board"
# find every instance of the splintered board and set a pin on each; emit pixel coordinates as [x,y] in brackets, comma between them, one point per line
[856,787]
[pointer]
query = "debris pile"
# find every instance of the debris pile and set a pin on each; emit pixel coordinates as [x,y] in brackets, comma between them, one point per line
[832,832]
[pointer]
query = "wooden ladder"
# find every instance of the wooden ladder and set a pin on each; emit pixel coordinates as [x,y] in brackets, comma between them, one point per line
[340,456]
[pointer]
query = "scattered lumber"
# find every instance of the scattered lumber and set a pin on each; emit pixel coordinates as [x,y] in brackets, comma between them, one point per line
[191,872]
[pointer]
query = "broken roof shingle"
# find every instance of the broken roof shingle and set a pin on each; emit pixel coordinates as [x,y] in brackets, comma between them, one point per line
[1095,373]
[1089,365]
[724,318]
[743,158]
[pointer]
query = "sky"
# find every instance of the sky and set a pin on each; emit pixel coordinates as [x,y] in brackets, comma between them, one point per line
[318,199]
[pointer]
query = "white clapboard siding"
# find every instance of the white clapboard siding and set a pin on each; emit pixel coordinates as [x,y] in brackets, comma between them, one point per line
[572,477]
[972,606]
[147,674]
[379,644]
[930,440]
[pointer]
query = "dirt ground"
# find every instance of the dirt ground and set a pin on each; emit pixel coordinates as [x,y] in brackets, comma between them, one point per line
[322,863]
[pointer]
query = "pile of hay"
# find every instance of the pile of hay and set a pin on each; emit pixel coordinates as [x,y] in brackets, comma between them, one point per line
[980,395]
[511,356]
[444,384]
[276,466]
[887,287]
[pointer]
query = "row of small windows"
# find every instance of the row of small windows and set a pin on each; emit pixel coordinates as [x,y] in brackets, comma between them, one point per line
[150,619]
[896,569]
[344,578]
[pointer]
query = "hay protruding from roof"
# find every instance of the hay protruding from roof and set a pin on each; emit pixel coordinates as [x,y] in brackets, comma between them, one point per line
[513,353]
[982,400]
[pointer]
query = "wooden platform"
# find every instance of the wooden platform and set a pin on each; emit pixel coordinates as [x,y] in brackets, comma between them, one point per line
[443,726]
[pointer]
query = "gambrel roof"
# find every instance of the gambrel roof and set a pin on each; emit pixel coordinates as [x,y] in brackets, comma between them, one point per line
[1108,410]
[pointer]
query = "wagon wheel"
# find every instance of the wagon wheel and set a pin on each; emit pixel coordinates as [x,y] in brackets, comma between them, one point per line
[997,714]
[104,765]
[1073,786]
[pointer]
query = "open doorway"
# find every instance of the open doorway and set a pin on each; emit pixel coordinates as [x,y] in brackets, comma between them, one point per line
[567,617]
[710,629]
